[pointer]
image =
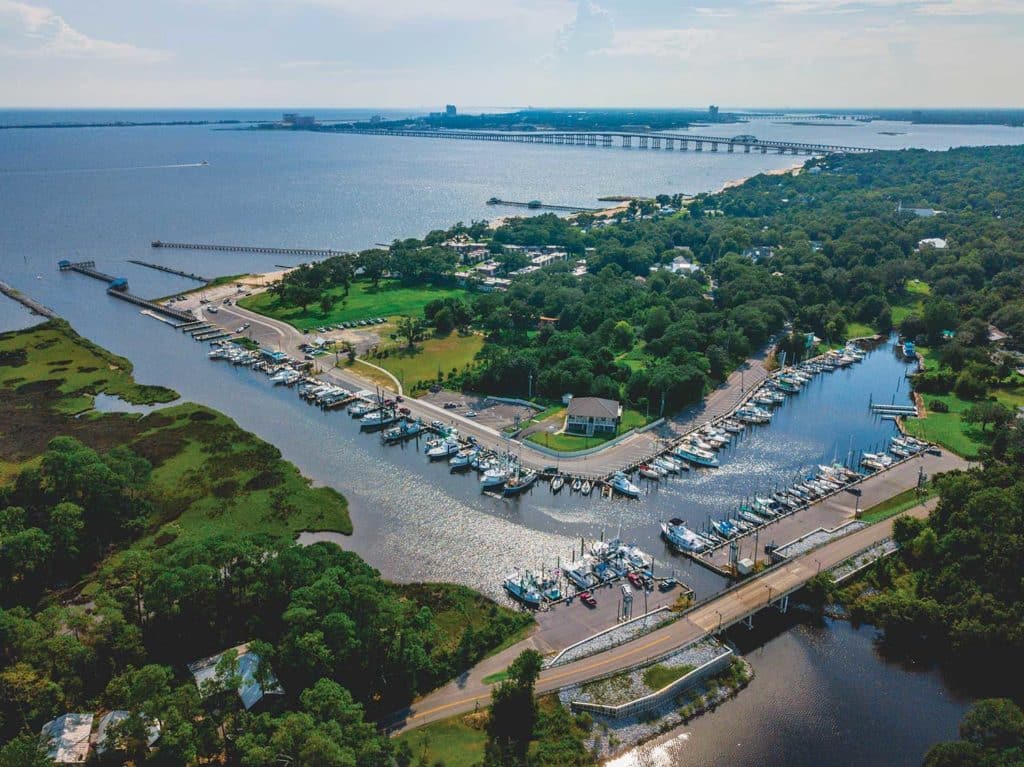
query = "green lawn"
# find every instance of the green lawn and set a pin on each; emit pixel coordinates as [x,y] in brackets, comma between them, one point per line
[450,742]
[913,304]
[660,675]
[950,430]
[441,354]
[899,503]
[567,443]
[363,302]
[858,330]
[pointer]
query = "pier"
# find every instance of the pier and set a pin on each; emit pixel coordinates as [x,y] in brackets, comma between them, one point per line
[118,288]
[29,303]
[625,140]
[169,270]
[318,252]
[538,205]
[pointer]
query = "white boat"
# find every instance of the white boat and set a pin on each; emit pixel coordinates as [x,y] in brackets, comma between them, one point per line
[696,456]
[586,487]
[649,472]
[446,449]
[557,483]
[461,460]
[622,485]
[668,464]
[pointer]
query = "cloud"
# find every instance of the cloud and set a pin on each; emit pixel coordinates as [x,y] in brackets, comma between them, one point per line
[591,30]
[916,7]
[683,44]
[30,31]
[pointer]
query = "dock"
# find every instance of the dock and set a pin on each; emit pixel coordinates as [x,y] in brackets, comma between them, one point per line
[538,205]
[118,288]
[318,252]
[29,303]
[169,270]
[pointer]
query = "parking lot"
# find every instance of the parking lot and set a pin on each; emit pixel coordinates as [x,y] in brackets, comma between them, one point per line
[489,412]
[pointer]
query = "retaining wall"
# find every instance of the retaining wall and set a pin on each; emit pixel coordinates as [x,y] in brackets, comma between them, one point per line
[668,692]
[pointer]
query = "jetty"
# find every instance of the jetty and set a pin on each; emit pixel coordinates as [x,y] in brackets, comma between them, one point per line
[169,270]
[29,303]
[318,252]
[538,205]
[118,288]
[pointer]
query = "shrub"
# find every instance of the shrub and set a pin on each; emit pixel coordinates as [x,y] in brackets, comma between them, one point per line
[938,406]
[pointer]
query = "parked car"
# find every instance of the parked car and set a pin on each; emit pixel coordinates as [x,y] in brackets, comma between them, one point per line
[933,451]
[470,414]
[635,579]
[668,584]
[588,599]
[404,410]
[450,405]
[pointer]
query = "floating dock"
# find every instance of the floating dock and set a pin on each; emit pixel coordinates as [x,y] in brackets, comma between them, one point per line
[169,270]
[319,252]
[538,205]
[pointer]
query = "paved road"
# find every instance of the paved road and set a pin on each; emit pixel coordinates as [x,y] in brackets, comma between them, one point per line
[840,507]
[468,691]
[279,335]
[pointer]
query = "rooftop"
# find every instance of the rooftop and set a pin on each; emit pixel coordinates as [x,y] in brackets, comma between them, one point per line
[249,690]
[594,407]
[67,738]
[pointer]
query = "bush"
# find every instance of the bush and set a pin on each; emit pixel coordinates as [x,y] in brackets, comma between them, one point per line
[938,406]
[969,387]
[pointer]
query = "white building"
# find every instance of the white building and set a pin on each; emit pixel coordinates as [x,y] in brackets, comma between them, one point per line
[933,242]
[249,690]
[592,415]
[66,738]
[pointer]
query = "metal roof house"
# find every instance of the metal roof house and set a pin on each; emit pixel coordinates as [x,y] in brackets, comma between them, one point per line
[249,689]
[592,415]
[103,740]
[67,738]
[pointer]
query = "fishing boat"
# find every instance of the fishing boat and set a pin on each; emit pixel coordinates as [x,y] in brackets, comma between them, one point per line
[460,461]
[696,456]
[634,556]
[557,483]
[681,538]
[578,574]
[523,589]
[493,477]
[577,485]
[445,449]
[519,483]
[586,487]
[724,529]
[622,485]
[378,419]
[359,409]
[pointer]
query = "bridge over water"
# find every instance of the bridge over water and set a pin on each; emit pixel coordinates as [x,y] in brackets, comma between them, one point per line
[625,140]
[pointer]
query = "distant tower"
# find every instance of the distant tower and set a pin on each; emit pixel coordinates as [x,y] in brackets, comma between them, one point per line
[450,110]
[713,111]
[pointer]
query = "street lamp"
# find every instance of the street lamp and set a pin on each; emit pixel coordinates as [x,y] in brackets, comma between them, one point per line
[769,593]
[816,572]
[719,620]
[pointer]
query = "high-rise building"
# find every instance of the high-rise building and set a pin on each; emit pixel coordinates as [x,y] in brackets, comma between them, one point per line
[713,111]
[450,110]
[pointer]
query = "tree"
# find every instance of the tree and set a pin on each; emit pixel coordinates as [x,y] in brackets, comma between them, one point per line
[409,329]
[985,413]
[513,712]
[66,525]
[622,335]
[24,751]
[992,735]
[326,302]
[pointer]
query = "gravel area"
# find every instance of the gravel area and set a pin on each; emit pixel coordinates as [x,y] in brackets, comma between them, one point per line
[817,538]
[630,685]
[879,550]
[615,637]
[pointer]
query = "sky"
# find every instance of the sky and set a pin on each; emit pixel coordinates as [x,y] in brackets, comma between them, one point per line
[425,53]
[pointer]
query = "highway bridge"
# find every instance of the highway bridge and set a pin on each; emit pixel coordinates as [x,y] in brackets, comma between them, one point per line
[661,141]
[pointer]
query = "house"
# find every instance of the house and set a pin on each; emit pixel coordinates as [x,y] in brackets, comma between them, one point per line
[66,738]
[995,335]
[249,689]
[758,253]
[932,242]
[546,321]
[592,415]
[102,740]
[546,259]
[679,265]
[493,285]
[487,268]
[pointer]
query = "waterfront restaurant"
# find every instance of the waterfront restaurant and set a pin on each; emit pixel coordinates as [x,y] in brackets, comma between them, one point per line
[592,415]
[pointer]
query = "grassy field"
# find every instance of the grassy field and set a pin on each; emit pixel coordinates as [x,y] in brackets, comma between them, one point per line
[899,503]
[363,302]
[567,443]
[913,304]
[858,330]
[209,475]
[660,675]
[440,354]
[451,742]
[948,429]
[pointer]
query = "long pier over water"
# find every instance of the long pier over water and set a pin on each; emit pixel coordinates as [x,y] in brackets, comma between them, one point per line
[625,140]
[118,288]
[319,252]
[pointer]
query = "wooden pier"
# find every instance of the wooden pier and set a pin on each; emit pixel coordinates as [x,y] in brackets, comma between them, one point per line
[118,288]
[318,252]
[31,304]
[538,205]
[169,270]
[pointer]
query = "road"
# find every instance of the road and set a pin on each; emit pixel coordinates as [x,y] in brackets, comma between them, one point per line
[468,691]
[280,335]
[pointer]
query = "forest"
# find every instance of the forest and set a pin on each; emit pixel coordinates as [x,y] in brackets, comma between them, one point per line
[133,545]
[840,254]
